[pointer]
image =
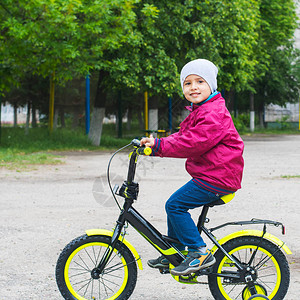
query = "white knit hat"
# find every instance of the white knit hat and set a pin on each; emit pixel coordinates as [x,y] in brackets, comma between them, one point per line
[203,68]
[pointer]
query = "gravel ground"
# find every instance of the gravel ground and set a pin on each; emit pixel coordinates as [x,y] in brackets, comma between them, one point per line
[45,208]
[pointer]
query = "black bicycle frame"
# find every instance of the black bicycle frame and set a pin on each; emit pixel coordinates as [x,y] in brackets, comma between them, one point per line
[160,242]
[164,244]
[151,234]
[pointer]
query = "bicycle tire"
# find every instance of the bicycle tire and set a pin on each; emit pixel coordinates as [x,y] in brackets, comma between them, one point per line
[81,256]
[274,266]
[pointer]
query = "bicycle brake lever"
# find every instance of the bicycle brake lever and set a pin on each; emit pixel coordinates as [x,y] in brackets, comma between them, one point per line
[136,143]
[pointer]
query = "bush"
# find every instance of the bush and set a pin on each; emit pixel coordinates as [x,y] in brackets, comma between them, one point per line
[241,123]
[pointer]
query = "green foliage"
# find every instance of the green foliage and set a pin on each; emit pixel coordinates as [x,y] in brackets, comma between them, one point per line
[240,124]
[283,124]
[281,82]
[142,45]
[68,37]
[226,33]
[277,24]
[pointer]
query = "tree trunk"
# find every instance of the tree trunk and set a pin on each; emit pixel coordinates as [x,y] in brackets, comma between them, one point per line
[51,102]
[140,105]
[252,113]
[98,112]
[261,114]
[153,115]
[27,119]
[33,121]
[120,116]
[229,98]
[129,119]
[96,125]
[15,116]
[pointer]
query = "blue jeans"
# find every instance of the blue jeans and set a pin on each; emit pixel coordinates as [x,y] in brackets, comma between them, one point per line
[180,223]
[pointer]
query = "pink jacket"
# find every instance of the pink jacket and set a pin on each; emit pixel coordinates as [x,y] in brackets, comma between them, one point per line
[211,144]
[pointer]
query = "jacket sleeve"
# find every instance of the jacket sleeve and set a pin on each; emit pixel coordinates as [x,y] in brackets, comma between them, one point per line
[207,132]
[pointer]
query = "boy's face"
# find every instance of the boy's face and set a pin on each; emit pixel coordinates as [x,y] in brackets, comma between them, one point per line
[196,89]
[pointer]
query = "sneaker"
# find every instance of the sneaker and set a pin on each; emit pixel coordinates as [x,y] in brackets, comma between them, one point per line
[160,262]
[194,261]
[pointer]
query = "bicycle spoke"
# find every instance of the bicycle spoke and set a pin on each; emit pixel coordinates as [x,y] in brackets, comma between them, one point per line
[75,283]
[87,267]
[264,283]
[116,276]
[104,285]
[92,289]
[93,263]
[121,266]
[98,256]
[78,274]
[232,289]
[82,267]
[99,288]
[87,286]
[114,255]
[77,269]
[109,281]
[110,269]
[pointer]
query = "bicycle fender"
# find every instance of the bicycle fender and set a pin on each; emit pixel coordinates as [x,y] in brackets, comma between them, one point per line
[90,232]
[258,233]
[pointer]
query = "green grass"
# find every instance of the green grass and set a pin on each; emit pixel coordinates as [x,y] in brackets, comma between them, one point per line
[19,151]
[20,161]
[277,131]
[290,176]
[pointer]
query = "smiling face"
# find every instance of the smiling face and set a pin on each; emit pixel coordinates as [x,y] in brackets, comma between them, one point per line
[196,89]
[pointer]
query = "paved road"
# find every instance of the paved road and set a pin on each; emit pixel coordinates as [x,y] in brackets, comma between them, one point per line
[43,209]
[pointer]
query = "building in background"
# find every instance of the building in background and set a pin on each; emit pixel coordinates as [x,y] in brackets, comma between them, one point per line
[8,114]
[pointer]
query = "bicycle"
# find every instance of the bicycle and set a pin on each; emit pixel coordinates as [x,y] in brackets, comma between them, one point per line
[102,264]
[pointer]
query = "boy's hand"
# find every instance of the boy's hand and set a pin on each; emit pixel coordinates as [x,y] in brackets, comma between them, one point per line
[148,141]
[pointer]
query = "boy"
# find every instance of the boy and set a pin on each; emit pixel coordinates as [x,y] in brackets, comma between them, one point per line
[213,148]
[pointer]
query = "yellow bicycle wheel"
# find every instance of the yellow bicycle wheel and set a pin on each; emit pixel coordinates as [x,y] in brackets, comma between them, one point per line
[267,262]
[75,265]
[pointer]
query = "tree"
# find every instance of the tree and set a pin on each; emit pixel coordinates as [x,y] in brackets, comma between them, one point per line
[169,33]
[274,54]
[67,38]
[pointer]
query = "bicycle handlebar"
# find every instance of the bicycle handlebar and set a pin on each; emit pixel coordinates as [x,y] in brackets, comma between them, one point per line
[141,150]
[129,188]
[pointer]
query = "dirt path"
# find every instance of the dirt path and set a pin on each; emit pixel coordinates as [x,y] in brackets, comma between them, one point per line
[42,210]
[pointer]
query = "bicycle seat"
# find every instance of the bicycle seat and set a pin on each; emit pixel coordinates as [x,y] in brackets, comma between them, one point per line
[223,200]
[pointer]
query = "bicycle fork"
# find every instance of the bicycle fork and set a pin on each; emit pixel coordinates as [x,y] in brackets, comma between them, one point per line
[114,239]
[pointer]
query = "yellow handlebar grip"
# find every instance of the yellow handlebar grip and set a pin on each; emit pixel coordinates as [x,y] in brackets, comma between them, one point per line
[147,151]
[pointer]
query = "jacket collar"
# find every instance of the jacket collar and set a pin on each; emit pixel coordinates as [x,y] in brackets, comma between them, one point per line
[212,97]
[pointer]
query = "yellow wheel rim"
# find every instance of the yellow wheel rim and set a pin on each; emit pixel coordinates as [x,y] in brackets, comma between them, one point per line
[227,263]
[67,267]
[259,290]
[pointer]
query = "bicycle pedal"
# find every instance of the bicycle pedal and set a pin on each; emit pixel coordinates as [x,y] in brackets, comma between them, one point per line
[164,270]
[205,271]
